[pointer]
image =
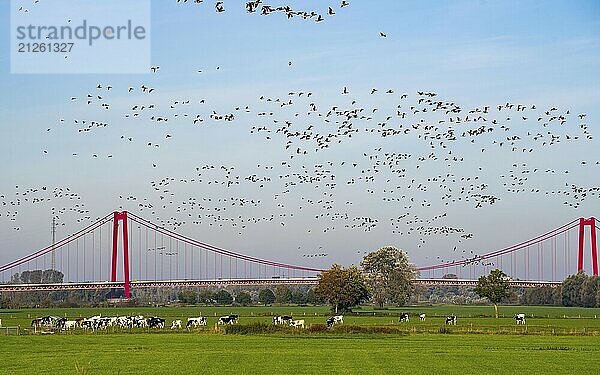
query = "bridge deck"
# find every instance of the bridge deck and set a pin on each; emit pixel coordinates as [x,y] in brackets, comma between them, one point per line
[236,282]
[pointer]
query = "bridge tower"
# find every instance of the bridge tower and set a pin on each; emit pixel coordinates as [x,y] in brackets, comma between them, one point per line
[117,217]
[591,222]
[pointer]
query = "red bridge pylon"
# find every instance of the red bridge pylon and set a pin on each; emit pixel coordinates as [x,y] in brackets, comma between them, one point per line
[121,216]
[582,224]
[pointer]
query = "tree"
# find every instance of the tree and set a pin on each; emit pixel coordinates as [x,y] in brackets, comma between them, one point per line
[313,298]
[571,289]
[541,295]
[298,297]
[266,297]
[588,291]
[342,288]
[494,287]
[243,298]
[223,297]
[187,296]
[283,295]
[206,297]
[389,275]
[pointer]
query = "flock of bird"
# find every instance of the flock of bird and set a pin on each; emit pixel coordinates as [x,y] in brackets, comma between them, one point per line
[322,195]
[264,9]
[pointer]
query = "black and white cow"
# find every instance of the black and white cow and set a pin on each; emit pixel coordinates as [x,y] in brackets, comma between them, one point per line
[520,318]
[196,322]
[228,319]
[49,321]
[176,324]
[156,322]
[297,323]
[451,319]
[285,319]
[422,317]
[334,320]
[404,317]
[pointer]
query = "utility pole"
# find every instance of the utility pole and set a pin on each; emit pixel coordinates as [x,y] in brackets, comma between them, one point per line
[53,241]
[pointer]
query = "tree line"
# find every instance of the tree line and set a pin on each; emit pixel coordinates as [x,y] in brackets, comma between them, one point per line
[281,295]
[576,290]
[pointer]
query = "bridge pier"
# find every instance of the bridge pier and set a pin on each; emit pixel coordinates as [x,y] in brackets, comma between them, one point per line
[121,216]
[582,224]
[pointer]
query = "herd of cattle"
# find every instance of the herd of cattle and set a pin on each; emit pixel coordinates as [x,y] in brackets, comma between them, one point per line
[451,319]
[99,322]
[138,321]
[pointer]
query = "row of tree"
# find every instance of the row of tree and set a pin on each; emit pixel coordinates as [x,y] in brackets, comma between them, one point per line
[577,290]
[281,295]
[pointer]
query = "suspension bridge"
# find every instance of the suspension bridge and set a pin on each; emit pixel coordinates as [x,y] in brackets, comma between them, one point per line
[156,257]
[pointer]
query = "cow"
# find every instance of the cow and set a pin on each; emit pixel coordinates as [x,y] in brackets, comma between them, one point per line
[451,319]
[297,323]
[520,318]
[404,317]
[195,322]
[285,319]
[156,322]
[422,317]
[335,319]
[37,322]
[176,324]
[70,324]
[49,321]
[228,319]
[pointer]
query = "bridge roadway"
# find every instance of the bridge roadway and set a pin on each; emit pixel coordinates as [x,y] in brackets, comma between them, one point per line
[223,282]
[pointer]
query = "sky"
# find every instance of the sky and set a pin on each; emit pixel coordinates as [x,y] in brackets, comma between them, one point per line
[473,54]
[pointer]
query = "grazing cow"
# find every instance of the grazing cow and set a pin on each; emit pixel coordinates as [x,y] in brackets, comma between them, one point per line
[156,322]
[297,323]
[334,320]
[37,322]
[228,319]
[422,317]
[285,319]
[451,319]
[49,321]
[195,322]
[520,318]
[176,324]
[70,324]
[404,317]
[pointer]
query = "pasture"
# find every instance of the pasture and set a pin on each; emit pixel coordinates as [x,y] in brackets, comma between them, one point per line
[471,319]
[299,354]
[558,340]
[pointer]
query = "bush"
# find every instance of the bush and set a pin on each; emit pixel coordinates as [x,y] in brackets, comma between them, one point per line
[317,328]
[222,297]
[243,298]
[255,328]
[188,297]
[347,328]
[266,296]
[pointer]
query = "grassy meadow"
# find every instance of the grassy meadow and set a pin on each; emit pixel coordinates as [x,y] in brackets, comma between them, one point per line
[555,339]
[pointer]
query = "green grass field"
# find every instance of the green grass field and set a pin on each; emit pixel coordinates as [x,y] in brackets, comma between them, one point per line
[299,354]
[556,340]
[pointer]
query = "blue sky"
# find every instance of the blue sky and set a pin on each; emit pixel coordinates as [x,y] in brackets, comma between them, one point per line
[474,53]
